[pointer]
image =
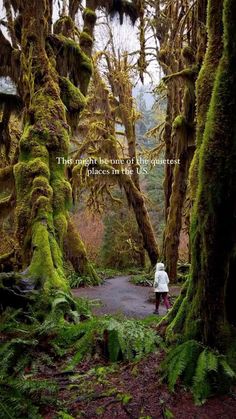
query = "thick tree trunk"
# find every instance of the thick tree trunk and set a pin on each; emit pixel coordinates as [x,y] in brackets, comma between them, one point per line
[183,136]
[177,199]
[43,193]
[207,312]
[206,79]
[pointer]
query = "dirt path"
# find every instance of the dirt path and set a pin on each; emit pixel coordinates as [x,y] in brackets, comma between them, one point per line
[118,295]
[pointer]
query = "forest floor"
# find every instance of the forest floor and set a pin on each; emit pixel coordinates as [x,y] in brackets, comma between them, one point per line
[132,391]
[119,295]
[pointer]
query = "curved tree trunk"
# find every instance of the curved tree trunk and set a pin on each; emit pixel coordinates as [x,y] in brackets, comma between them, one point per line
[136,200]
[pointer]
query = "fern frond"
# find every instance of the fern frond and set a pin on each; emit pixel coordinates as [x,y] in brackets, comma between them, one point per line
[227,370]
[179,361]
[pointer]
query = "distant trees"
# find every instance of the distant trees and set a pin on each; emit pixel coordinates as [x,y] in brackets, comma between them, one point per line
[175,25]
[110,104]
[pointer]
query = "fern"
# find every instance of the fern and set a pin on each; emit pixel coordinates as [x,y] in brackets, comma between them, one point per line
[145,280]
[227,370]
[201,386]
[199,367]
[18,397]
[113,339]
[180,359]
[76,281]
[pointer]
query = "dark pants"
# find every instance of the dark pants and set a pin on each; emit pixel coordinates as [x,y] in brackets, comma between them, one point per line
[164,297]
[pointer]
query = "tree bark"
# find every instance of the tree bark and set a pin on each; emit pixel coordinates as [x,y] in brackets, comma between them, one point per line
[43,192]
[207,312]
[136,200]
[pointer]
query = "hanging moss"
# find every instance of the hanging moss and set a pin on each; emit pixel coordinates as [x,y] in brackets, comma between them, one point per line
[64,25]
[86,42]
[72,60]
[188,54]
[71,96]
[122,8]
[89,16]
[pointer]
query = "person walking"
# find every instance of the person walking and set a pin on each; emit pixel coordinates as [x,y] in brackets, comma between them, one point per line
[161,288]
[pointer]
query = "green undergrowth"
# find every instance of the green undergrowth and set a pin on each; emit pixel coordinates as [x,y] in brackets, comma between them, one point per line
[77,281]
[106,273]
[183,271]
[204,371]
[113,339]
[143,279]
[35,348]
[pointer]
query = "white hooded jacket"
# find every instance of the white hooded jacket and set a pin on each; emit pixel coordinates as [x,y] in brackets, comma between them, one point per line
[161,280]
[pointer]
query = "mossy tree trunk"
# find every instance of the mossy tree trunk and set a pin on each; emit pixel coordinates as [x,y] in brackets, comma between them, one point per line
[43,193]
[136,199]
[178,61]
[182,141]
[52,72]
[119,78]
[207,311]
[206,78]
[183,134]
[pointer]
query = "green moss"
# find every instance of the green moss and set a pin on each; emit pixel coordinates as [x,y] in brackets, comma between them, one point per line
[86,38]
[64,25]
[43,268]
[72,51]
[41,185]
[207,73]
[71,59]
[60,224]
[86,41]
[38,167]
[179,122]
[89,16]
[85,74]
[71,96]
[188,54]
[174,330]
[41,207]
[61,194]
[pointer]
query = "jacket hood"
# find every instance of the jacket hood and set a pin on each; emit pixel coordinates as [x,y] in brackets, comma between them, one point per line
[160,266]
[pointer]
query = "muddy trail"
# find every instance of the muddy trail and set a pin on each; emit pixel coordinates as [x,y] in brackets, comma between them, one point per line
[118,295]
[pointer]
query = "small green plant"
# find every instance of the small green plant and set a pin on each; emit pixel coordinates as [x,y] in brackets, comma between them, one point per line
[114,339]
[206,372]
[77,281]
[145,280]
